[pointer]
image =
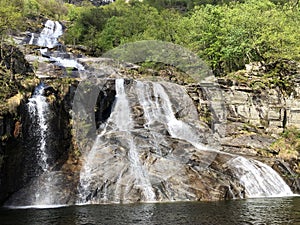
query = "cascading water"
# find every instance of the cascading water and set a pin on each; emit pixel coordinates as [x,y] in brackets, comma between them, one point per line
[49,35]
[177,128]
[121,123]
[124,122]
[159,109]
[126,163]
[149,149]
[48,39]
[38,109]
[257,178]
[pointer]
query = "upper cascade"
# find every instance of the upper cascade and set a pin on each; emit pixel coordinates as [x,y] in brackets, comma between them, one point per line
[47,40]
[49,35]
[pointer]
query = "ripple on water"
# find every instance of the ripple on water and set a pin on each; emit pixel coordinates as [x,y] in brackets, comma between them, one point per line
[273,211]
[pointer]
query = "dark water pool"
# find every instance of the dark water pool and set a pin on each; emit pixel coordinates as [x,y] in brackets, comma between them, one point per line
[251,211]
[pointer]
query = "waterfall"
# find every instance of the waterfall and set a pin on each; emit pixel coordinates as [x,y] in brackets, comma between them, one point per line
[66,63]
[120,123]
[121,116]
[124,122]
[126,162]
[49,35]
[38,109]
[258,179]
[159,108]
[152,112]
[48,38]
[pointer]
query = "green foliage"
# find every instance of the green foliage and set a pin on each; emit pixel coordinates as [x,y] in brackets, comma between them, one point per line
[104,28]
[10,15]
[231,35]
[184,5]
[54,9]
[226,35]
[87,21]
[14,13]
[288,145]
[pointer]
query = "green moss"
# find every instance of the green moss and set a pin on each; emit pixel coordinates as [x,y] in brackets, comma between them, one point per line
[288,145]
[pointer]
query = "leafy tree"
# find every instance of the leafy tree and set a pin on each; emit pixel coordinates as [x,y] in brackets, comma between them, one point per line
[231,35]
[226,35]
[10,15]
[54,9]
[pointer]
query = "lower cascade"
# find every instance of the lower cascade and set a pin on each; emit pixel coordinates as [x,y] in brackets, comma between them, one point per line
[147,152]
[150,148]
[41,191]
[259,179]
[39,111]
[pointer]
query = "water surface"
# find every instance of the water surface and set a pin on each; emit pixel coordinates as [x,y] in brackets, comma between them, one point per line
[251,211]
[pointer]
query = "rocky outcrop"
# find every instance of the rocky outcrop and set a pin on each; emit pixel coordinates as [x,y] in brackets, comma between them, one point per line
[255,119]
[18,148]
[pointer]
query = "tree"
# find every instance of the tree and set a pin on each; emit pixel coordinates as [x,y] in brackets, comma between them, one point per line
[10,16]
[230,36]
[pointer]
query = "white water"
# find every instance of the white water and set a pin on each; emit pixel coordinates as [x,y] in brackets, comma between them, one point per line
[49,35]
[48,38]
[122,122]
[159,108]
[38,109]
[122,119]
[67,63]
[259,179]
[152,112]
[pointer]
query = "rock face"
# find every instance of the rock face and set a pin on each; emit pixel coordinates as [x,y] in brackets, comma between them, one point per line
[19,150]
[153,148]
[150,147]
[254,120]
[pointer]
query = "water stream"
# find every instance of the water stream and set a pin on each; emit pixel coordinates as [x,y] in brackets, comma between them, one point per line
[121,122]
[259,179]
[38,109]
[49,35]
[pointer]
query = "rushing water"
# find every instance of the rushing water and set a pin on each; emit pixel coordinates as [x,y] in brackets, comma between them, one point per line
[259,179]
[48,36]
[121,122]
[38,109]
[261,211]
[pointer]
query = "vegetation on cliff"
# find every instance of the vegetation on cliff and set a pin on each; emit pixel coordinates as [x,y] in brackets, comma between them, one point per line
[227,36]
